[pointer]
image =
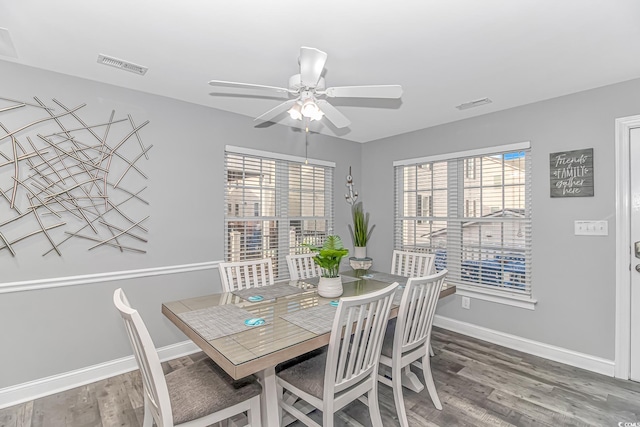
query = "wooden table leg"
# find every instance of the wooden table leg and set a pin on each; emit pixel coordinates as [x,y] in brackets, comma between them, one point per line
[269,398]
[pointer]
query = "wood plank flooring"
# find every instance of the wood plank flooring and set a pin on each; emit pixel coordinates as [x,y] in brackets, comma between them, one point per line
[479,384]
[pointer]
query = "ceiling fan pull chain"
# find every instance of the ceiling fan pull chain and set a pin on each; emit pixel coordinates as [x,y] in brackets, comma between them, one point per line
[306,143]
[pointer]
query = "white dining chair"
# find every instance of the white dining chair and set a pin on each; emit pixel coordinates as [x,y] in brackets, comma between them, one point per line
[412,264]
[196,395]
[245,274]
[407,339]
[348,370]
[302,266]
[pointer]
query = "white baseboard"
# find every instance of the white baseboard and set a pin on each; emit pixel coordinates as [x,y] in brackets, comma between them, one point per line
[54,384]
[20,393]
[557,354]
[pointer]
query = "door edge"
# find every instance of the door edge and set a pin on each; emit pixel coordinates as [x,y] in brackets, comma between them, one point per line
[623,246]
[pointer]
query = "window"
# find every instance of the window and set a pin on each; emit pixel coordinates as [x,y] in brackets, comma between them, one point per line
[470,168]
[280,204]
[470,207]
[478,219]
[424,207]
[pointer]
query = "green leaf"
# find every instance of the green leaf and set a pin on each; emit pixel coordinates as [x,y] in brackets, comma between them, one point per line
[329,255]
[361,233]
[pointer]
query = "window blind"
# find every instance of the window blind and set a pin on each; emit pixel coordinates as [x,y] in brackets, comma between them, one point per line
[274,205]
[473,212]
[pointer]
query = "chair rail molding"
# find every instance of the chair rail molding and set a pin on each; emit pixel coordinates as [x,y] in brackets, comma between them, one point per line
[57,282]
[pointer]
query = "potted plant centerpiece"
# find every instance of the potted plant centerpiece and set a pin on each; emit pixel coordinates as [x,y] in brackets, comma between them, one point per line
[328,259]
[360,232]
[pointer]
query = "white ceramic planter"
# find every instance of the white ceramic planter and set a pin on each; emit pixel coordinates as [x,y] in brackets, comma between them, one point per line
[360,252]
[330,287]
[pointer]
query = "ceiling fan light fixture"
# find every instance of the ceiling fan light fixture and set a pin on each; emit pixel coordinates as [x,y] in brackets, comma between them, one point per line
[317,115]
[296,111]
[310,109]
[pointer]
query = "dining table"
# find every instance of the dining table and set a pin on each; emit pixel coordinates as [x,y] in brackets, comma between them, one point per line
[251,331]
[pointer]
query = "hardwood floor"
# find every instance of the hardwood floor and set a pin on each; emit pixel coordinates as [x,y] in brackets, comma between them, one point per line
[479,384]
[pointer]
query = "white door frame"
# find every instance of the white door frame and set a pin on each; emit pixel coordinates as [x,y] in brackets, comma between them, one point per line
[623,246]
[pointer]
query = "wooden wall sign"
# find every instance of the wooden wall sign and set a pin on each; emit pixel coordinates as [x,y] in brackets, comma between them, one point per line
[571,173]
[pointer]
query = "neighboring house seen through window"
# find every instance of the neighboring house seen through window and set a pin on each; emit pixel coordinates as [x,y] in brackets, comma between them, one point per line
[279,203]
[473,211]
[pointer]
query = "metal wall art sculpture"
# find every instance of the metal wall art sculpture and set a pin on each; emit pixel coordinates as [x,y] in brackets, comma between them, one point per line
[64,179]
[352,195]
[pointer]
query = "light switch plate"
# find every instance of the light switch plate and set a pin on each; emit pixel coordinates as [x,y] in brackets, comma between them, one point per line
[591,228]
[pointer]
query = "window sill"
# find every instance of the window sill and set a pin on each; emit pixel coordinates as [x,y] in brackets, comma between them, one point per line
[520,301]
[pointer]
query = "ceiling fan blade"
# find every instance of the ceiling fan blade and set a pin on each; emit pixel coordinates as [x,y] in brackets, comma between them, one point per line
[248,86]
[277,110]
[332,114]
[311,65]
[376,91]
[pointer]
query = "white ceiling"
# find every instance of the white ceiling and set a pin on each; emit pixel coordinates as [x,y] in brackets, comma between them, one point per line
[442,52]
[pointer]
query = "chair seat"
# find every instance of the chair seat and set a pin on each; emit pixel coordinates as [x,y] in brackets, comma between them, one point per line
[204,388]
[389,335]
[306,372]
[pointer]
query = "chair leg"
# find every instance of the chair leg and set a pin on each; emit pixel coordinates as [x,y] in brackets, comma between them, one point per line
[253,414]
[374,405]
[396,379]
[148,418]
[327,418]
[281,398]
[428,380]
[431,353]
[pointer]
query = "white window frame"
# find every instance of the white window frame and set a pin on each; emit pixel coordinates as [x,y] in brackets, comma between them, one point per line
[502,296]
[282,200]
[425,206]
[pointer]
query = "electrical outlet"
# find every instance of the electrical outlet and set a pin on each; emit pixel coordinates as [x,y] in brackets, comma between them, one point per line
[466,302]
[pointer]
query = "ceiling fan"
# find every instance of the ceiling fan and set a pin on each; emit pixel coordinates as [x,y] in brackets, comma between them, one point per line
[308,92]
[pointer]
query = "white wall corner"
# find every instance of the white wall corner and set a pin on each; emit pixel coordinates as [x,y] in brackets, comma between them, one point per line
[557,354]
[31,390]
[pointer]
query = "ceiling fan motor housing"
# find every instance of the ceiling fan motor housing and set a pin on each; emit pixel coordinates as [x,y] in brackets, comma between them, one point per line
[295,84]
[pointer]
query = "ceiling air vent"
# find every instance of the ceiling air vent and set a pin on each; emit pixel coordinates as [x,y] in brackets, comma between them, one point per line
[123,65]
[472,104]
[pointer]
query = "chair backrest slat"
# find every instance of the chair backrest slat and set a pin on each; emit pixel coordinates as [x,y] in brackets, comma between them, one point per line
[356,350]
[412,264]
[351,359]
[302,266]
[416,312]
[246,274]
[376,342]
[153,382]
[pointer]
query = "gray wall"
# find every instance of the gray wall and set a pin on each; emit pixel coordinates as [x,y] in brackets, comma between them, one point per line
[573,276]
[48,332]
